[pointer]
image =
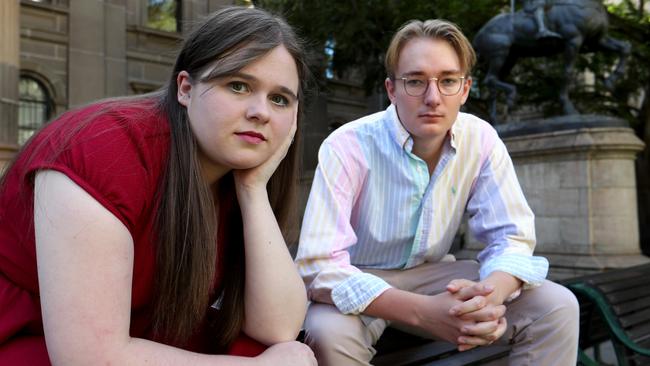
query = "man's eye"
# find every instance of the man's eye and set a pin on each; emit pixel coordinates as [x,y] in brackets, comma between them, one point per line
[415,82]
[280,100]
[449,81]
[239,87]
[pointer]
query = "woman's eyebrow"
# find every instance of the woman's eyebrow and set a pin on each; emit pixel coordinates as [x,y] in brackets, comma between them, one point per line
[251,78]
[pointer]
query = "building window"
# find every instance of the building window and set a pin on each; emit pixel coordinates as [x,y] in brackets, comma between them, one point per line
[164,15]
[35,107]
[330,45]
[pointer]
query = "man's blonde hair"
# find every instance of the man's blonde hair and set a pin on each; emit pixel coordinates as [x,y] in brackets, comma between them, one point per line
[435,29]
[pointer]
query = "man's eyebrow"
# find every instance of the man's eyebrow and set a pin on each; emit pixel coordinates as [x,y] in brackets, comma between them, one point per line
[442,73]
[413,73]
[252,78]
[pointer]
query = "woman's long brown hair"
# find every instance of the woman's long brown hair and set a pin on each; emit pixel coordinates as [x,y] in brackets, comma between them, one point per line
[187,222]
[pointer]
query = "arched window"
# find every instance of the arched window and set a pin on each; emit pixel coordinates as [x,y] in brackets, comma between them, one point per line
[35,107]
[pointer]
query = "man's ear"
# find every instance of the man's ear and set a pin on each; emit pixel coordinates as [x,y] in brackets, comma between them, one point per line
[466,88]
[390,89]
[184,87]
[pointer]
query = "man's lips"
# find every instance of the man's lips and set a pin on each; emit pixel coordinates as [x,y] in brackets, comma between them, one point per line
[251,136]
[430,115]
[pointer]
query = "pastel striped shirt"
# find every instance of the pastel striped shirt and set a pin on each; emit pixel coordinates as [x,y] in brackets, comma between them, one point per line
[373,204]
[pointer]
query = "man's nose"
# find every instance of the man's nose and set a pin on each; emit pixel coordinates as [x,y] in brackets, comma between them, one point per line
[432,95]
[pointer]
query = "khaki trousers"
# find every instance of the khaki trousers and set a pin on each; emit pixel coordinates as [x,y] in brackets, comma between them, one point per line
[542,328]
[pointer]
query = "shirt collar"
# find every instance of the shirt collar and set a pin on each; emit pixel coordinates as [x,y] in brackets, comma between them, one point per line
[403,137]
[399,133]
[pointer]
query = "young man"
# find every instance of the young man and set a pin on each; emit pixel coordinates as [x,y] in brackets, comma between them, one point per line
[388,196]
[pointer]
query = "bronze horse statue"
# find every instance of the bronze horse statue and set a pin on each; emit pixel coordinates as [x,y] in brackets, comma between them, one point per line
[582,25]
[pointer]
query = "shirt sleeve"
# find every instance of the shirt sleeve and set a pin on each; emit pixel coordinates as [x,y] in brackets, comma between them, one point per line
[323,259]
[105,158]
[500,217]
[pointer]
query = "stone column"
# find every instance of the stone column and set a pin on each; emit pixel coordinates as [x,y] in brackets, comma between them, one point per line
[97,52]
[9,76]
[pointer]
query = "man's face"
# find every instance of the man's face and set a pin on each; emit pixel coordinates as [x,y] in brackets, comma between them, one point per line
[431,115]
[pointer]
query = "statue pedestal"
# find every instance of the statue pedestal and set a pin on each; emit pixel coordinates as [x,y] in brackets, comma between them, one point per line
[580,183]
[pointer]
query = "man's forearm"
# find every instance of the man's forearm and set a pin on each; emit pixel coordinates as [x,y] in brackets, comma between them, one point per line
[397,306]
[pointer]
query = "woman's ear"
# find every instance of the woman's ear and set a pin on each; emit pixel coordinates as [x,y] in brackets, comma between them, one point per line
[184,87]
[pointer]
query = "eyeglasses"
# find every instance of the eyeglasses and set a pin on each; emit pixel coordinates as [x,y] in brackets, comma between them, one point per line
[416,86]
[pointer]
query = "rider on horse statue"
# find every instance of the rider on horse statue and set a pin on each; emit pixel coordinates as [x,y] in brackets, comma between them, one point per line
[535,8]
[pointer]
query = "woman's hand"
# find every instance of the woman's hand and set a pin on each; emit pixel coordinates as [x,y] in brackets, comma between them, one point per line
[258,177]
[288,354]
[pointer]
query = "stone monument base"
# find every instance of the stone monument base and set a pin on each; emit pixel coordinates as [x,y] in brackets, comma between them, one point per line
[579,179]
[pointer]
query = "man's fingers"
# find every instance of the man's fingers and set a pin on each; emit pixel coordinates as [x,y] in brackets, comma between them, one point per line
[480,329]
[465,347]
[485,339]
[455,285]
[485,314]
[465,291]
[478,289]
[473,304]
[473,341]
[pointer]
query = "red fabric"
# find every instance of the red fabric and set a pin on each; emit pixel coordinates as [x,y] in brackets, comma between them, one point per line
[118,158]
[246,346]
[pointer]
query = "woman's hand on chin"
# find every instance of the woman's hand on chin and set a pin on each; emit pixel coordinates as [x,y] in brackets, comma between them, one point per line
[256,178]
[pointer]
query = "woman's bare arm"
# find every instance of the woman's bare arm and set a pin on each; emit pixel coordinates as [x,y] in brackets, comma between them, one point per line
[85,268]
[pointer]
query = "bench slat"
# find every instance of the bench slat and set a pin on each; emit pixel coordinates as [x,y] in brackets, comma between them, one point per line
[476,356]
[640,332]
[628,294]
[629,282]
[409,356]
[633,305]
[634,319]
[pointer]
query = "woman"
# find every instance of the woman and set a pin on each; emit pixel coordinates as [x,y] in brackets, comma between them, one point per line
[144,229]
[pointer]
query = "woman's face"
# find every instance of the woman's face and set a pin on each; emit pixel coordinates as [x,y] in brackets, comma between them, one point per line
[239,120]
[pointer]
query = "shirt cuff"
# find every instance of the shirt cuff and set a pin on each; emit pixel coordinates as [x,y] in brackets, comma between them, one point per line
[353,295]
[531,270]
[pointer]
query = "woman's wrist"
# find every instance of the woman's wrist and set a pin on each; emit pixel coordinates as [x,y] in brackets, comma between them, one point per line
[246,192]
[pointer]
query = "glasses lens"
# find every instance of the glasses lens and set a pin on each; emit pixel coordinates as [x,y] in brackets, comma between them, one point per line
[449,85]
[415,86]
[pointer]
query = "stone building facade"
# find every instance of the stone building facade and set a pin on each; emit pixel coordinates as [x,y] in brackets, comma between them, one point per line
[59,54]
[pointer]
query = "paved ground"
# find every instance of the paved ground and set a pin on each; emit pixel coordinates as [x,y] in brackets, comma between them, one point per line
[607,354]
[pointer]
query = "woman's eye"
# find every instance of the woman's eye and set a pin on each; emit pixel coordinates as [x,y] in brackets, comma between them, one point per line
[280,100]
[239,87]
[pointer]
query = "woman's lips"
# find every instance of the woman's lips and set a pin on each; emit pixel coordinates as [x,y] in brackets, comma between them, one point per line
[251,137]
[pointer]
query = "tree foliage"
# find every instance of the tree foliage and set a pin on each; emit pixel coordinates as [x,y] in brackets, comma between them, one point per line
[358,31]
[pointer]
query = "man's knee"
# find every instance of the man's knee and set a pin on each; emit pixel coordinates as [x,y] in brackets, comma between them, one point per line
[557,305]
[334,336]
[568,308]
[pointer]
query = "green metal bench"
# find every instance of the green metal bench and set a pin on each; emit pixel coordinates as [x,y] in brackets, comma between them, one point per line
[615,305]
